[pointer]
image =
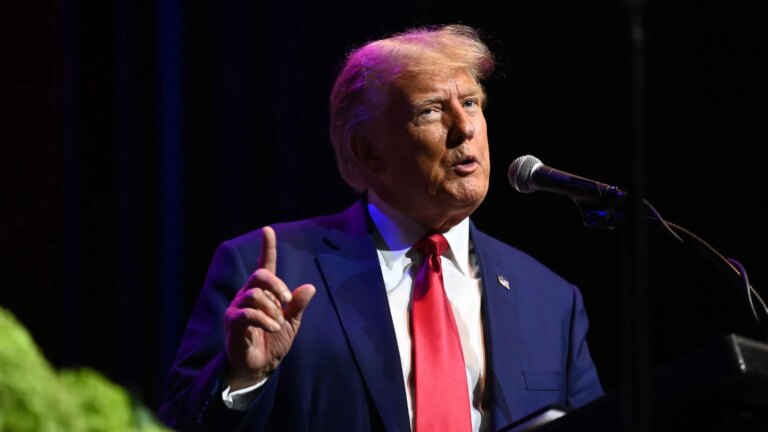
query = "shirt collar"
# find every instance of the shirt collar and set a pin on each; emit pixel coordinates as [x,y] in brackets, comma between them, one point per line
[397,234]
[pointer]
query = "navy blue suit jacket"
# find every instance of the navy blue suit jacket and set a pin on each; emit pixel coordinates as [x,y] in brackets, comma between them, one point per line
[343,371]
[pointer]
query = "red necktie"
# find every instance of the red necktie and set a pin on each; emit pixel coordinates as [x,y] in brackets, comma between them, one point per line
[442,398]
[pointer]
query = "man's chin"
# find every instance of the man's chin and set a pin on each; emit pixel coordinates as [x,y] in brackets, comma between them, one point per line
[460,207]
[468,196]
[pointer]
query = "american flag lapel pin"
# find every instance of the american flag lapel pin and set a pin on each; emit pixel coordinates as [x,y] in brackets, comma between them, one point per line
[503,282]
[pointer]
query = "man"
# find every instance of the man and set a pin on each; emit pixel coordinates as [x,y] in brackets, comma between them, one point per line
[397,314]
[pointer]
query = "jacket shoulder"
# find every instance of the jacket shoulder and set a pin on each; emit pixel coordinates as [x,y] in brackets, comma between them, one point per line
[300,237]
[528,270]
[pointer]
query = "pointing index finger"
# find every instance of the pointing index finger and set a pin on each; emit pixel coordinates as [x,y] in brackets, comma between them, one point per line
[268,258]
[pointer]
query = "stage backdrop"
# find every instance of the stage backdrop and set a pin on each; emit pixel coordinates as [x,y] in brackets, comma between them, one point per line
[137,136]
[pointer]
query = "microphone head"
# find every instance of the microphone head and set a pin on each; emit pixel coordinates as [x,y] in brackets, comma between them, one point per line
[521,171]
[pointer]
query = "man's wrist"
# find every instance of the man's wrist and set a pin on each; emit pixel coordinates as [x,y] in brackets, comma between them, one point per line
[240,399]
[241,381]
[241,378]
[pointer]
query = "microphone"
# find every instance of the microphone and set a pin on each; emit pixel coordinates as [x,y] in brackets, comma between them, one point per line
[528,174]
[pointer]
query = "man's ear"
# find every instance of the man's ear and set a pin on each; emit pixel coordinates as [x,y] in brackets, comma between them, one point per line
[366,154]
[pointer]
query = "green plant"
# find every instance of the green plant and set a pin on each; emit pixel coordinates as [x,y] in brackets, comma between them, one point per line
[35,397]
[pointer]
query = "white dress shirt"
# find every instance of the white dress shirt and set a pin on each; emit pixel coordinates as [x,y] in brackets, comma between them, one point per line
[395,235]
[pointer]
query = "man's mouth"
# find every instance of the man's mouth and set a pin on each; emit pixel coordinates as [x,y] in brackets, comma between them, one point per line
[468,160]
[467,165]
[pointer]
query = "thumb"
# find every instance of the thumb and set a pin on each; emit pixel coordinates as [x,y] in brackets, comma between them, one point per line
[301,297]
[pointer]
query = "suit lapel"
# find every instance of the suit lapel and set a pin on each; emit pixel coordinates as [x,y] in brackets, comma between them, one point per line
[502,337]
[356,287]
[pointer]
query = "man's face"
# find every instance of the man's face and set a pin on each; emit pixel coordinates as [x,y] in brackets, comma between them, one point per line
[431,148]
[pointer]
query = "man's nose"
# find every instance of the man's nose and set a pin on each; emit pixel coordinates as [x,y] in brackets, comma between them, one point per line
[462,128]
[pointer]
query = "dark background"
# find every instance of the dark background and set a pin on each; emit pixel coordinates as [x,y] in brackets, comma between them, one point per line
[137,136]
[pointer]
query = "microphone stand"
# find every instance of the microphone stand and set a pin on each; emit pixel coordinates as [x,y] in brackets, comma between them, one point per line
[606,212]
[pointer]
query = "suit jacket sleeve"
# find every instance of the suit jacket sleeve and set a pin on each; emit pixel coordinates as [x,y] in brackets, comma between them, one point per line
[583,382]
[193,398]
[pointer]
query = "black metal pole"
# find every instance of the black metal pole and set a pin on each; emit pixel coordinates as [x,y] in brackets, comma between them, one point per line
[636,413]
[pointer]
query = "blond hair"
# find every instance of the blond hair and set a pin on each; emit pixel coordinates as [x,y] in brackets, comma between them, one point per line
[360,91]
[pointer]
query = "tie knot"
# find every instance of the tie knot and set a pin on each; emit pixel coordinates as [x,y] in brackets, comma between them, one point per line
[431,244]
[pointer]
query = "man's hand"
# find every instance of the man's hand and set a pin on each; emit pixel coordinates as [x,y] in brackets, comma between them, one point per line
[258,330]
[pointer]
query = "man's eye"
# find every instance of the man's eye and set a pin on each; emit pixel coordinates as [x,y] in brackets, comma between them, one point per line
[470,103]
[429,114]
